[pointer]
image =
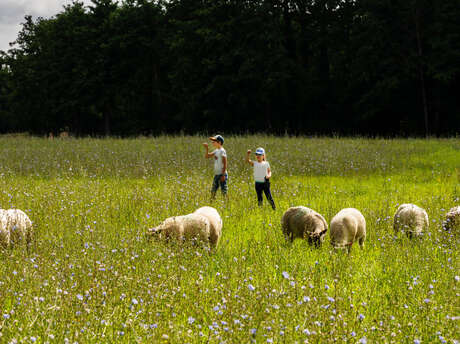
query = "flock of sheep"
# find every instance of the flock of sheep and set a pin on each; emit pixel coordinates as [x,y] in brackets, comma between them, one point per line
[205,224]
[347,226]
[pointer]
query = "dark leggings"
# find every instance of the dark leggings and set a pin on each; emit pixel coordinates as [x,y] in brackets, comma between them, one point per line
[265,188]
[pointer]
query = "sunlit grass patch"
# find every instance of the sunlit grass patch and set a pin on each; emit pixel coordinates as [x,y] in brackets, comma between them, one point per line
[92,276]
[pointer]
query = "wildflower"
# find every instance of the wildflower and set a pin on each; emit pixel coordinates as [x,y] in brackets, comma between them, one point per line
[417,341]
[457,278]
[80,297]
[326,287]
[253,331]
[353,334]
[285,274]
[191,320]
[363,340]
[426,300]
[306,299]
[134,301]
[361,317]
[251,287]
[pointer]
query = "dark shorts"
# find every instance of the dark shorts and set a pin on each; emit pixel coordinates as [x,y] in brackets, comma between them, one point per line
[217,182]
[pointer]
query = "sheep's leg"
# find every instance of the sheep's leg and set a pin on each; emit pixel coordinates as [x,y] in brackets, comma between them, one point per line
[361,243]
[28,241]
[349,248]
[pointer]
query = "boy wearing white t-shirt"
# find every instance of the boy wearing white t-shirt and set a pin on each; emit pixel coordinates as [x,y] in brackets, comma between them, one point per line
[262,175]
[220,165]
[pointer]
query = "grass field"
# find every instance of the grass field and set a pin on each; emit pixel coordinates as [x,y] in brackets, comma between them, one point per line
[90,275]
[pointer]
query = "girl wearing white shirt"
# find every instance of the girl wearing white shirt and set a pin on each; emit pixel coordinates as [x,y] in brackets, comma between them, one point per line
[262,175]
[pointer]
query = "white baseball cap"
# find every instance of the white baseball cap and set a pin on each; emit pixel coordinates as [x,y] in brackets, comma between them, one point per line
[260,151]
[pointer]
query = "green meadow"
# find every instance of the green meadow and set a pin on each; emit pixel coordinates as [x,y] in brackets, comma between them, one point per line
[91,276]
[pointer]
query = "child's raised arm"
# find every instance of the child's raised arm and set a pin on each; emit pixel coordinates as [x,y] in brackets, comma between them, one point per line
[249,161]
[206,153]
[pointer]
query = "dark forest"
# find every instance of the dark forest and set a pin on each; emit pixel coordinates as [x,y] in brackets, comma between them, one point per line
[138,67]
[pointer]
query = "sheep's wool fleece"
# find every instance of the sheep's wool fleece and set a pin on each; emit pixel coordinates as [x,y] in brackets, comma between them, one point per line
[300,222]
[15,225]
[453,219]
[215,222]
[347,226]
[410,218]
[187,227]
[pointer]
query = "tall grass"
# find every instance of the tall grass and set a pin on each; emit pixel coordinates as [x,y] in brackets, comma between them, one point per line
[91,276]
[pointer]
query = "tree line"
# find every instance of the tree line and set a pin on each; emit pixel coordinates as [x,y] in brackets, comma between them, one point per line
[372,67]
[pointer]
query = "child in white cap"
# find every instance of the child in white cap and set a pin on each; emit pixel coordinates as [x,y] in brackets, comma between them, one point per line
[262,175]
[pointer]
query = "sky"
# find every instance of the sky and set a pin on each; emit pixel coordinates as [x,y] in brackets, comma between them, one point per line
[12,14]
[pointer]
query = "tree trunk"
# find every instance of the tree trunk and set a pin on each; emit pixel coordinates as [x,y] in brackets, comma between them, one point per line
[437,106]
[107,116]
[421,73]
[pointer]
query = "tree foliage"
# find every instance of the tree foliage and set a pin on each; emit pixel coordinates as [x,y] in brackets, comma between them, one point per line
[303,66]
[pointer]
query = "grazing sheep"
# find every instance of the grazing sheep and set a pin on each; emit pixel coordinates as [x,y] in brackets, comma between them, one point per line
[348,226]
[215,221]
[15,226]
[185,227]
[304,223]
[410,219]
[452,220]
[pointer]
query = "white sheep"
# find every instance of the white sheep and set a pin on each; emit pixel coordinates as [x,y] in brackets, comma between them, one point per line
[15,226]
[305,223]
[410,219]
[452,220]
[348,226]
[185,227]
[215,221]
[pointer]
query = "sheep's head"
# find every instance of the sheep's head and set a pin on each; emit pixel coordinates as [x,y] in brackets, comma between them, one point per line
[162,229]
[452,221]
[155,230]
[158,230]
[317,238]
